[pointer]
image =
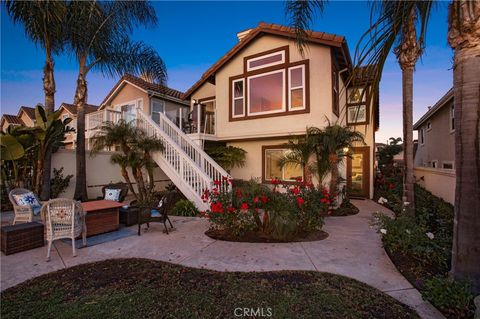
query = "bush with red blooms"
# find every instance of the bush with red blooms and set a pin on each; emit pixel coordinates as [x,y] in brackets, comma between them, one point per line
[280,212]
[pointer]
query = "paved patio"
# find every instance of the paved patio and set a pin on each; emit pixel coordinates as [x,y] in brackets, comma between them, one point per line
[353,249]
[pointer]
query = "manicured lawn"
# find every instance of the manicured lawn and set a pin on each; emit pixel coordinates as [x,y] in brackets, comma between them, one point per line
[140,288]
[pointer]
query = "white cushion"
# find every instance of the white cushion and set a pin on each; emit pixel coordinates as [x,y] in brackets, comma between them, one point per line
[112,194]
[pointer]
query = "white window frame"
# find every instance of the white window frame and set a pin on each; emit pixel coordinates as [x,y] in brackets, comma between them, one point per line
[282,178]
[151,106]
[282,52]
[452,117]
[291,88]
[357,120]
[429,126]
[238,98]
[422,136]
[434,164]
[283,109]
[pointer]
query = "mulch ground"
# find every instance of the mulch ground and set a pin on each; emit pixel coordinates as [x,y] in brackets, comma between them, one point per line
[257,237]
[141,288]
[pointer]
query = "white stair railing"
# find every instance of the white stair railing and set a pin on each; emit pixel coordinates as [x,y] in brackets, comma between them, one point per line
[184,162]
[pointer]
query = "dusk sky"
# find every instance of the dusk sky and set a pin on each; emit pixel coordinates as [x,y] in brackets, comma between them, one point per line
[191,36]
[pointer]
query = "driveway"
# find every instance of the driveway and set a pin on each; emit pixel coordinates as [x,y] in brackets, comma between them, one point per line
[353,249]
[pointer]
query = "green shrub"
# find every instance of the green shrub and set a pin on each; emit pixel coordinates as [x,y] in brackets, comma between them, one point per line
[452,298]
[406,236]
[59,183]
[186,208]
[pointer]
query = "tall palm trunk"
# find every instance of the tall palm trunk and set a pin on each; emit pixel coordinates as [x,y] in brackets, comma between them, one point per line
[79,101]
[333,160]
[408,53]
[463,36]
[49,89]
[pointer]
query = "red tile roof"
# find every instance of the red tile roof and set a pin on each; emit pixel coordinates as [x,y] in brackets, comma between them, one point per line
[89,108]
[12,119]
[145,85]
[30,111]
[332,40]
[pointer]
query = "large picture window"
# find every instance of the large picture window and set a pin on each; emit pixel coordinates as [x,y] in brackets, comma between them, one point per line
[273,170]
[266,93]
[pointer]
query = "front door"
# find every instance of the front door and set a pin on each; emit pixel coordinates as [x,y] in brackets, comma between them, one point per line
[358,172]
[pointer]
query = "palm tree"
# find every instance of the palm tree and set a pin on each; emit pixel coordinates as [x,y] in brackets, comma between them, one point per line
[98,37]
[228,157]
[301,148]
[43,21]
[463,37]
[463,30]
[136,153]
[335,144]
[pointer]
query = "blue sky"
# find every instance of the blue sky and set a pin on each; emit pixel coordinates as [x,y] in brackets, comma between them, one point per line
[191,36]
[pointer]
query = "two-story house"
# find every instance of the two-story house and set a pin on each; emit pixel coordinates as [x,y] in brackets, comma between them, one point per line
[24,117]
[264,91]
[435,156]
[70,111]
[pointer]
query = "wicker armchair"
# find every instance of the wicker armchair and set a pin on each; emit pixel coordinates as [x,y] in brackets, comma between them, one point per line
[23,213]
[64,218]
[121,186]
[145,214]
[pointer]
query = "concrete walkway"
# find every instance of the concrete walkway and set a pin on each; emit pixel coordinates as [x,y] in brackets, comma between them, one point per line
[353,249]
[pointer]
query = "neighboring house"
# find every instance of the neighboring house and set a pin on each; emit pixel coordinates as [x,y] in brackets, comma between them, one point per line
[70,111]
[25,117]
[132,93]
[435,154]
[263,91]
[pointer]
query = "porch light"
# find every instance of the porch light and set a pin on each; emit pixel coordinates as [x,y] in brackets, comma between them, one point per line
[346,149]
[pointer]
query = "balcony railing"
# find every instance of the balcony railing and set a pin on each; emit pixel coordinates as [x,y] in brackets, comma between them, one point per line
[96,119]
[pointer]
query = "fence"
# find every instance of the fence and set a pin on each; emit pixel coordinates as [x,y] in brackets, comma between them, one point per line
[441,182]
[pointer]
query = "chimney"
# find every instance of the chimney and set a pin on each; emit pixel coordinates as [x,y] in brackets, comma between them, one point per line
[243,34]
[429,107]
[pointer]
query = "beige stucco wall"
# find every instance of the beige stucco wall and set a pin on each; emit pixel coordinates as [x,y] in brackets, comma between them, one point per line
[439,140]
[320,93]
[26,119]
[438,181]
[99,172]
[130,93]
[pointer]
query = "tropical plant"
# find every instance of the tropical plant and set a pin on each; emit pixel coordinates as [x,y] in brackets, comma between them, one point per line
[59,182]
[43,22]
[98,36]
[387,153]
[301,149]
[184,207]
[228,157]
[135,154]
[463,35]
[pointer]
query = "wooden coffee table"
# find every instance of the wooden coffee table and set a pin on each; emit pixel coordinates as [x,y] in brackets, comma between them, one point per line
[102,216]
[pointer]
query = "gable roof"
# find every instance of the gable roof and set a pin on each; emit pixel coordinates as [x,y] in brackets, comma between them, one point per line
[338,43]
[148,87]
[30,111]
[72,109]
[12,119]
[442,102]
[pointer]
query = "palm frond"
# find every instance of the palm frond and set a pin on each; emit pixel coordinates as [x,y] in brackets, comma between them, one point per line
[301,14]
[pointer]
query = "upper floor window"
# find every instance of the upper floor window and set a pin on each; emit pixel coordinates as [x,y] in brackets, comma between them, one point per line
[157,107]
[296,90]
[266,93]
[357,110]
[269,85]
[335,91]
[238,97]
[422,136]
[429,126]
[452,118]
[266,60]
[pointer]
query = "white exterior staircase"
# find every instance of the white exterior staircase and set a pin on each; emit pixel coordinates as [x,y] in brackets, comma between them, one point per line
[183,161]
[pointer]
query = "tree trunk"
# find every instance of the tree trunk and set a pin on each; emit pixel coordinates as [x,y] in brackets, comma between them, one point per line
[126,176]
[49,89]
[38,173]
[407,54]
[463,33]
[79,101]
[333,160]
[408,177]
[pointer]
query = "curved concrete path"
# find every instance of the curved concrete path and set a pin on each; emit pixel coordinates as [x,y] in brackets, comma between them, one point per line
[353,249]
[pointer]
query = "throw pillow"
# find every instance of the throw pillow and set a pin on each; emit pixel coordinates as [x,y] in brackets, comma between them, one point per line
[112,194]
[28,199]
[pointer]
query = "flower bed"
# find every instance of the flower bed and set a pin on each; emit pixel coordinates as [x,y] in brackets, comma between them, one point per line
[254,212]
